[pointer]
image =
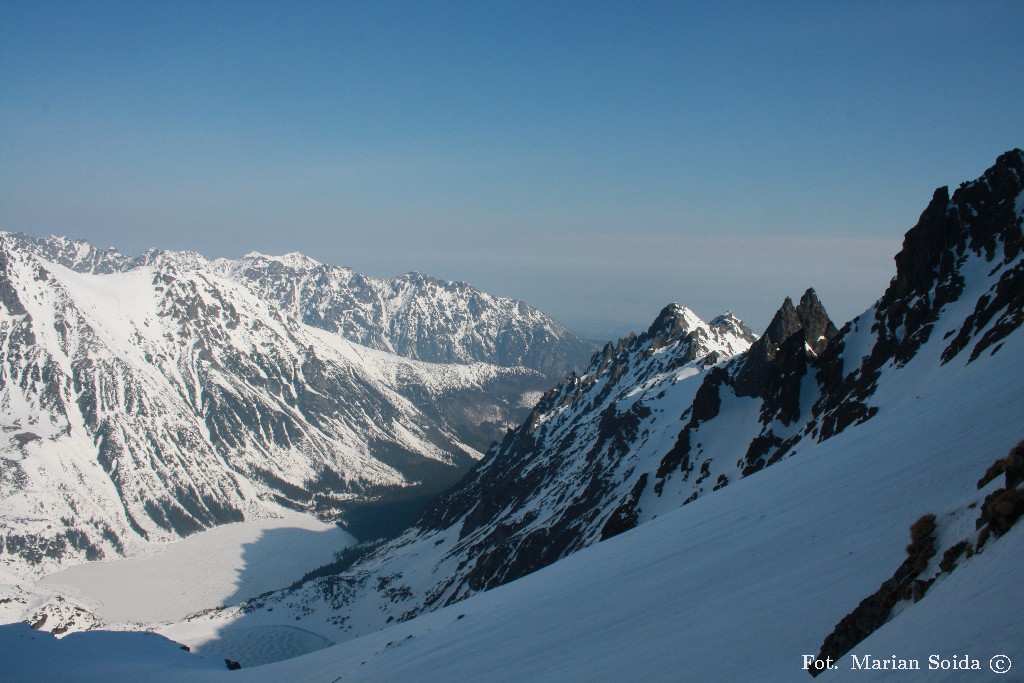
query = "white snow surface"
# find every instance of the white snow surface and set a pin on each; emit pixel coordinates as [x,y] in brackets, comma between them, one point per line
[218,567]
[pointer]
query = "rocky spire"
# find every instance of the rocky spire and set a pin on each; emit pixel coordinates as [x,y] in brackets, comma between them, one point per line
[808,318]
[818,327]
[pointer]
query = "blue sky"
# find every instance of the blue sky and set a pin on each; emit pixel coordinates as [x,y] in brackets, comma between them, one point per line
[595,159]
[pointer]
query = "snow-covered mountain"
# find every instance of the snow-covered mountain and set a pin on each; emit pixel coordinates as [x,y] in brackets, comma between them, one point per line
[674,416]
[674,511]
[142,404]
[412,315]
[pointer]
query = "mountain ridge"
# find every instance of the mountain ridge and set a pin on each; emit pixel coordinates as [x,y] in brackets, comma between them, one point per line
[412,315]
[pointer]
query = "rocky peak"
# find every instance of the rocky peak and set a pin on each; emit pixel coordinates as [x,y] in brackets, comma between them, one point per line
[809,315]
[982,222]
[976,215]
[673,322]
[729,323]
[983,217]
[806,325]
[818,327]
[784,323]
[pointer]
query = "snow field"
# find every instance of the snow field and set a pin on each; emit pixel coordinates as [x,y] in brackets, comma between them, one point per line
[221,566]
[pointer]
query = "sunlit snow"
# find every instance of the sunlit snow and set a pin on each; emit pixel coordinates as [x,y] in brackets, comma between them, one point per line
[220,566]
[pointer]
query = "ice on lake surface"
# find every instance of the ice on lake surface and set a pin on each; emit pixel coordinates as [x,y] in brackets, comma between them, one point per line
[255,645]
[224,565]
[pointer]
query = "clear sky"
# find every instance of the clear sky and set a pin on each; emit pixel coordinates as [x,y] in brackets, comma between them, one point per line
[595,159]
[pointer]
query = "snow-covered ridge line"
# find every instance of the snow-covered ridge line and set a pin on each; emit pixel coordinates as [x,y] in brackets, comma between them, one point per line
[411,315]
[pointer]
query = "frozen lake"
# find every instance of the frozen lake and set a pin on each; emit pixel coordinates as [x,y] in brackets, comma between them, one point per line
[222,566]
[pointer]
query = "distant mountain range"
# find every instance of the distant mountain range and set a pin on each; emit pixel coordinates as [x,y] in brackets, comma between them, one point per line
[412,315]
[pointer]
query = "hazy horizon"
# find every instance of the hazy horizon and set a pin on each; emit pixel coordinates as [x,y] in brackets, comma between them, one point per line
[594,160]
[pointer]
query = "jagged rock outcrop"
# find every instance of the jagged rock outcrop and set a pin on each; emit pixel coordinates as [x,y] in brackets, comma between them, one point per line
[808,318]
[1000,509]
[981,223]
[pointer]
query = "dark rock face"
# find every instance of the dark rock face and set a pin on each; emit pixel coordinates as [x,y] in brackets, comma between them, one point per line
[815,322]
[980,220]
[809,317]
[1004,506]
[796,356]
[756,367]
[626,515]
[874,610]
